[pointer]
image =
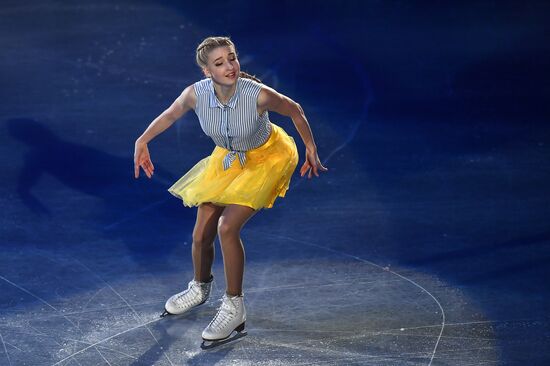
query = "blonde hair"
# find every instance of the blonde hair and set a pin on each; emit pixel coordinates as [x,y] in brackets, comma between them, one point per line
[209,44]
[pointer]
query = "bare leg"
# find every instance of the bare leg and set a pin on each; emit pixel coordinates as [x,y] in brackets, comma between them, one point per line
[204,235]
[230,224]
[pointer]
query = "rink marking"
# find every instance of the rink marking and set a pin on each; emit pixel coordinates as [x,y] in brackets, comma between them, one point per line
[135,214]
[353,356]
[408,354]
[396,332]
[13,346]
[5,349]
[39,334]
[119,295]
[52,339]
[314,349]
[106,339]
[316,285]
[91,298]
[52,307]
[128,304]
[345,356]
[378,266]
[99,310]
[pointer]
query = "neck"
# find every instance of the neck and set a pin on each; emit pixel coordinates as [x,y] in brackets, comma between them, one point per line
[224,92]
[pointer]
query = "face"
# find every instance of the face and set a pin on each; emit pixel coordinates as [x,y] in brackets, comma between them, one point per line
[223,66]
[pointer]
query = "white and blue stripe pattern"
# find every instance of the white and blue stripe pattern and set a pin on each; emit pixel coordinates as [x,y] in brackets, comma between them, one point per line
[236,126]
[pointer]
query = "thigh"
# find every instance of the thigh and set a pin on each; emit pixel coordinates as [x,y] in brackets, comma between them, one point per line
[206,225]
[234,217]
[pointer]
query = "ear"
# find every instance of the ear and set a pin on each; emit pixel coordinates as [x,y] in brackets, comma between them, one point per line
[206,72]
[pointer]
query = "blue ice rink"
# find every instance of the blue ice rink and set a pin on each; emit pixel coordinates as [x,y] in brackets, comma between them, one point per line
[426,243]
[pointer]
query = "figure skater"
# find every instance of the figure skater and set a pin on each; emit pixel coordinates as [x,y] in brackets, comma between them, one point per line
[248,169]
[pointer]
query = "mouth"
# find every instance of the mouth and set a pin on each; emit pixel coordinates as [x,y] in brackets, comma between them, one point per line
[230,75]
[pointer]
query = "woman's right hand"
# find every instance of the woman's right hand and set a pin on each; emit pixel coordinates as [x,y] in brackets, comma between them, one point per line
[142,159]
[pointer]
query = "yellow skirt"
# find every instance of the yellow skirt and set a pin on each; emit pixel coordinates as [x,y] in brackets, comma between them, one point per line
[265,176]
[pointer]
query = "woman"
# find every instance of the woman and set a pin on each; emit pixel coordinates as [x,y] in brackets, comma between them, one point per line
[249,168]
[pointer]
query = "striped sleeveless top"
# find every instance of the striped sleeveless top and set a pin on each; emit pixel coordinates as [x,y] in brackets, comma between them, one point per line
[236,126]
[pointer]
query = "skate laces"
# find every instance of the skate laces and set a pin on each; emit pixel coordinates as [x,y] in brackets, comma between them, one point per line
[226,312]
[194,289]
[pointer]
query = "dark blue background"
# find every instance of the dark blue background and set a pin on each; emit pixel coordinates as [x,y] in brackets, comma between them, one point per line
[431,116]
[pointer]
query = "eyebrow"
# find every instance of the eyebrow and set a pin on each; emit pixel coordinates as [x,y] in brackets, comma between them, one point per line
[229,54]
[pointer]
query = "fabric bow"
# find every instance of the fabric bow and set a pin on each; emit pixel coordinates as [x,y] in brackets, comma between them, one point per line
[230,158]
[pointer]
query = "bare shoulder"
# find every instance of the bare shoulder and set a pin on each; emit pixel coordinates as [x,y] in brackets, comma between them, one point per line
[271,100]
[267,97]
[186,101]
[188,98]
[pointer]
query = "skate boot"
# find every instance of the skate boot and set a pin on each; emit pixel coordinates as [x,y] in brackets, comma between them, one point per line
[196,294]
[231,317]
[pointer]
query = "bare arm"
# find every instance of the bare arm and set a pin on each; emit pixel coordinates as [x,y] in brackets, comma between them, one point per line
[186,101]
[271,100]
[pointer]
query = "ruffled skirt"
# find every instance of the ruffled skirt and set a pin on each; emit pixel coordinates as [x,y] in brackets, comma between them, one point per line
[265,176]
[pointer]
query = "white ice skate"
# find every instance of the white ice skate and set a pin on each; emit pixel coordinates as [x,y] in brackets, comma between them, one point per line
[196,294]
[231,317]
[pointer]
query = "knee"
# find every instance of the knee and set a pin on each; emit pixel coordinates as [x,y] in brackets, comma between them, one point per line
[226,229]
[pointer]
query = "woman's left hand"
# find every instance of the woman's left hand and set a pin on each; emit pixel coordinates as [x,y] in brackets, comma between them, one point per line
[312,165]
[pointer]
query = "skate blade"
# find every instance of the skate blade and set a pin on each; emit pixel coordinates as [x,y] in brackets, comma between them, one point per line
[165,313]
[206,344]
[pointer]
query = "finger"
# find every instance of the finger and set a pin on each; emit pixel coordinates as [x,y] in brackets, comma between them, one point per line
[315,170]
[146,169]
[303,169]
[312,170]
[149,166]
[136,171]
